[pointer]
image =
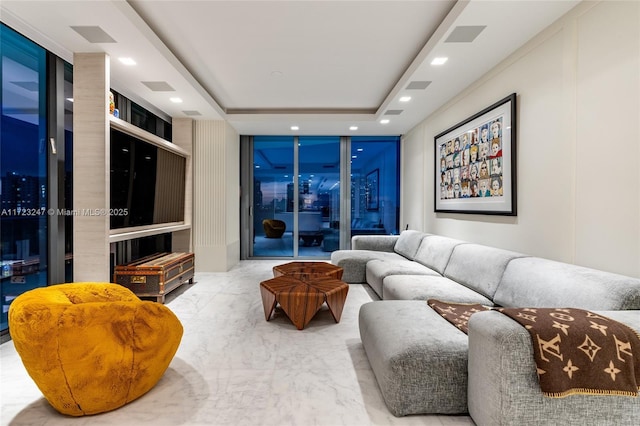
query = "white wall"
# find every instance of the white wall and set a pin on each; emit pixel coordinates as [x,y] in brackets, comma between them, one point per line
[578,145]
[412,179]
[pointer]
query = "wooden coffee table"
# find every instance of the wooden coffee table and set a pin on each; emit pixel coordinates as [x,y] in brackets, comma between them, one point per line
[301,288]
[307,270]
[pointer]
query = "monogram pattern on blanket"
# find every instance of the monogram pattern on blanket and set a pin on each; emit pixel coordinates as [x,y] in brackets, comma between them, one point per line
[457,313]
[581,352]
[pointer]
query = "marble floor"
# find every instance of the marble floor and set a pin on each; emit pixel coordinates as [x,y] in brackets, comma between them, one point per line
[235,368]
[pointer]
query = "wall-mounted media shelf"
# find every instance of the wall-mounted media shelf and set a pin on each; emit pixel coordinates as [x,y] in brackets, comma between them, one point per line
[147,183]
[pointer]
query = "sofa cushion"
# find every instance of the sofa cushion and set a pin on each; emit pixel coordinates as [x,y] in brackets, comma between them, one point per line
[374,242]
[419,358]
[535,282]
[377,270]
[423,287]
[408,243]
[354,262]
[504,388]
[479,267]
[435,251]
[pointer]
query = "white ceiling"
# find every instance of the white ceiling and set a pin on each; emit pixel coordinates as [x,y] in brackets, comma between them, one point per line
[267,65]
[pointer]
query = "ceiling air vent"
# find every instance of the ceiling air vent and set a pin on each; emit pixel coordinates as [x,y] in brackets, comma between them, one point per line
[465,34]
[93,34]
[191,113]
[158,86]
[418,85]
[393,112]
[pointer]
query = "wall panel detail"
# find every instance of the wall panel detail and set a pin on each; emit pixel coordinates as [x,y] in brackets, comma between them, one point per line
[216,201]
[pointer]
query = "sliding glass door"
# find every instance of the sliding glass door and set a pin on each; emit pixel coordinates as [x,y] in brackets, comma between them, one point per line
[273,196]
[318,195]
[310,194]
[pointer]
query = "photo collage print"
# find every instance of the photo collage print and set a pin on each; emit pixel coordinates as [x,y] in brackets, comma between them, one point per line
[471,163]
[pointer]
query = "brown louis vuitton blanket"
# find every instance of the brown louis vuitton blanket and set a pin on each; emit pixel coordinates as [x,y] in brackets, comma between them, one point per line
[581,352]
[575,351]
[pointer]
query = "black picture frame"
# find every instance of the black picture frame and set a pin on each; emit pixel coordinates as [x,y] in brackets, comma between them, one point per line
[372,190]
[475,163]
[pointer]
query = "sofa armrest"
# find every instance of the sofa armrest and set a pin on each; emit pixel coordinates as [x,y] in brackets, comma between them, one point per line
[503,385]
[374,242]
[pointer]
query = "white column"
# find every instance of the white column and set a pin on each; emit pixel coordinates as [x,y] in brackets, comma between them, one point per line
[91,167]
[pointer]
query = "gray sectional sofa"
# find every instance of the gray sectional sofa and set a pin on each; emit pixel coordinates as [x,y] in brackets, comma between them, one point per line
[423,364]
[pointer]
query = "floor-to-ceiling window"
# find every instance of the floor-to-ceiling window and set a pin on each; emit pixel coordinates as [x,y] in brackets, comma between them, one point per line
[23,164]
[67,202]
[310,194]
[36,141]
[375,185]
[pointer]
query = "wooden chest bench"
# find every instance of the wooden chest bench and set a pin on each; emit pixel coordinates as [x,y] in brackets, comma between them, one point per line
[156,275]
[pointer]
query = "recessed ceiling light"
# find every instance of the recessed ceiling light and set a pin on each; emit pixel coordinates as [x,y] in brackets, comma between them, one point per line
[257,166]
[354,156]
[438,61]
[295,128]
[127,61]
[353,128]
[360,149]
[385,121]
[176,100]
[405,99]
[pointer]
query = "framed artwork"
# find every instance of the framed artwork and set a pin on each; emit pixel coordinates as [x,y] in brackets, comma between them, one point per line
[371,190]
[475,163]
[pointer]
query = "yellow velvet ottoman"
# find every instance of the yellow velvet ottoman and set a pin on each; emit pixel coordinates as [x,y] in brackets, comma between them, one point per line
[92,347]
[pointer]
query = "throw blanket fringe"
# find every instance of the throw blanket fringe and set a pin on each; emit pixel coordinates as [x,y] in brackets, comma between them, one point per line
[586,391]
